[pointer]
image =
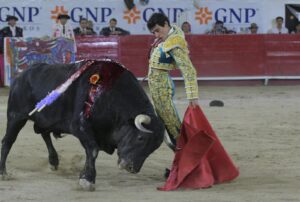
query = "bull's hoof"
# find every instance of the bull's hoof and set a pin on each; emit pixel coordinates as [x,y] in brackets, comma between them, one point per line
[167,173]
[54,162]
[4,176]
[86,185]
[53,167]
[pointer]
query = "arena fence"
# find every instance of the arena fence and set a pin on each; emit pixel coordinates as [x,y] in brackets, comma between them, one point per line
[217,58]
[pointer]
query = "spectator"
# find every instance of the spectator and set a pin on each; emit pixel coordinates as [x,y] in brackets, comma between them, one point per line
[10,31]
[129,4]
[297,29]
[90,25]
[218,28]
[113,29]
[279,29]
[253,28]
[62,28]
[144,2]
[186,27]
[83,29]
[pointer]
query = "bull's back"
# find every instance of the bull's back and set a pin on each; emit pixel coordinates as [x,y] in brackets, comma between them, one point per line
[44,78]
[34,84]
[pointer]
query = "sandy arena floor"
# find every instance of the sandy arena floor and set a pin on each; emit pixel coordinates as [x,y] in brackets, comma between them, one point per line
[259,127]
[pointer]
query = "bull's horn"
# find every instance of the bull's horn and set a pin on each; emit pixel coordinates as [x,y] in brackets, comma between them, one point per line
[141,118]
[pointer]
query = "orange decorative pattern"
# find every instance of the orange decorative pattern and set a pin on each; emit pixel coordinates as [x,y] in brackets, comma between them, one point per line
[203,15]
[132,16]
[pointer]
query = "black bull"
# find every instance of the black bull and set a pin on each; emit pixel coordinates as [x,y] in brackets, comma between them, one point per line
[121,117]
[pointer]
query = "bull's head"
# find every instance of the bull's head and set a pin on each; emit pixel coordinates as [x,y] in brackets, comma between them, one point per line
[139,139]
[128,117]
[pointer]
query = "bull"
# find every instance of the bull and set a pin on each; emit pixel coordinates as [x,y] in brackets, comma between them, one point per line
[121,116]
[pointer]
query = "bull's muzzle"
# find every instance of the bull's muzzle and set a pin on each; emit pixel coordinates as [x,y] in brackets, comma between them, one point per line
[126,166]
[142,119]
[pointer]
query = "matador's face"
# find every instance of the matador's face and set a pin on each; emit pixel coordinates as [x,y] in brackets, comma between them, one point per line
[161,32]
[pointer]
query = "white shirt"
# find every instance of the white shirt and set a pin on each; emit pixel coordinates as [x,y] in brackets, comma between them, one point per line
[63,31]
[84,31]
[13,30]
[58,32]
[283,30]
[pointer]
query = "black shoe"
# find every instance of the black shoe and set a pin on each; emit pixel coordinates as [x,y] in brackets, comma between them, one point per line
[167,173]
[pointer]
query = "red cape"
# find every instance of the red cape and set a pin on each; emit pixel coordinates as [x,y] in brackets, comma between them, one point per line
[200,160]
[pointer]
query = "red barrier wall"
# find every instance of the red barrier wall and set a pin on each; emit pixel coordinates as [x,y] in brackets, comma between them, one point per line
[213,56]
[229,55]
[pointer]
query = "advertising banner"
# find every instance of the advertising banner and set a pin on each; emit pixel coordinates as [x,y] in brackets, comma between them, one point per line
[37,17]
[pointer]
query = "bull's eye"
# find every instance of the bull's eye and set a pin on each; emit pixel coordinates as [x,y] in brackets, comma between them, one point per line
[140,138]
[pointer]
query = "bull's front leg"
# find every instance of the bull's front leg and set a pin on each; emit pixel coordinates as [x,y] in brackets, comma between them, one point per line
[86,137]
[87,176]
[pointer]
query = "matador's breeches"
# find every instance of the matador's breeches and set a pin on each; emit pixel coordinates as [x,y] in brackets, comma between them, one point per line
[162,91]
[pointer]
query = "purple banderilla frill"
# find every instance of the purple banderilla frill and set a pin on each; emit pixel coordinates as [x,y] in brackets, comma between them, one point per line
[51,97]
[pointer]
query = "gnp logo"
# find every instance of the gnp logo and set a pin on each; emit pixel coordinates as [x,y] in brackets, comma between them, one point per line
[134,15]
[25,14]
[226,15]
[97,14]
[57,11]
